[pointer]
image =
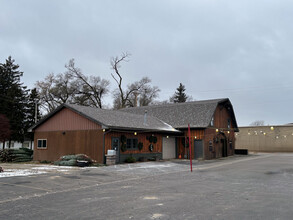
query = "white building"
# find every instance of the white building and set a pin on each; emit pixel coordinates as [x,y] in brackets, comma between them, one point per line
[16,145]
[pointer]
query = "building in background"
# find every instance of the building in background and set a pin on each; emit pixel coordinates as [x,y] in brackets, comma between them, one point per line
[277,138]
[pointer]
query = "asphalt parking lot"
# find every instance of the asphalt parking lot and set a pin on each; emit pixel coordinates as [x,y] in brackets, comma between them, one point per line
[246,187]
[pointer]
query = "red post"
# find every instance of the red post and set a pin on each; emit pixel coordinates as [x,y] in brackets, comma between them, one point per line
[190,156]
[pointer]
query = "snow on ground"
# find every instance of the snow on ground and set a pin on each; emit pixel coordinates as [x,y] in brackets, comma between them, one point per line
[36,170]
[20,172]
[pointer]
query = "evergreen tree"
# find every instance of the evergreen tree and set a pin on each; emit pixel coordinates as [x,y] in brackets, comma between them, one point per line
[33,98]
[179,95]
[13,98]
[32,112]
[4,129]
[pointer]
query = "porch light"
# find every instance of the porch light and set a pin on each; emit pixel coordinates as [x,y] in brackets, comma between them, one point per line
[135,133]
[104,130]
[217,130]
[272,128]
[228,132]
[167,136]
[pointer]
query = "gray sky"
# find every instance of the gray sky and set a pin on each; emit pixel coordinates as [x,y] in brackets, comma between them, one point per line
[217,48]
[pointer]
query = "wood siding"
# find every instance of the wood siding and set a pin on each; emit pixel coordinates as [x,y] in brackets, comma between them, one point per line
[212,141]
[216,138]
[221,116]
[89,142]
[181,150]
[67,120]
[141,138]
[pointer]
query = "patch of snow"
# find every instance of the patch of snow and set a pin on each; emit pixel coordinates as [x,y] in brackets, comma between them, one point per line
[52,167]
[19,172]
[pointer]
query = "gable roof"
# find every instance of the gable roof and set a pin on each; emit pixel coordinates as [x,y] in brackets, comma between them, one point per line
[197,113]
[113,119]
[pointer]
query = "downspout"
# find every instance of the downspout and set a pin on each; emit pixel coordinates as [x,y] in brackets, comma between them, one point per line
[104,145]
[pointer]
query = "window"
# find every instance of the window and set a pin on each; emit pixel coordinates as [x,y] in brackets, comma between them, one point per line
[131,144]
[212,122]
[211,146]
[42,143]
[11,144]
[229,123]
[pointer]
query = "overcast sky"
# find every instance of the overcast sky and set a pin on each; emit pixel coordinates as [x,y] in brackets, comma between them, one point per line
[241,50]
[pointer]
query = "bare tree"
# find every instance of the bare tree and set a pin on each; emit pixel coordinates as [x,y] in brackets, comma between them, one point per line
[138,92]
[93,88]
[73,87]
[258,123]
[148,95]
[44,88]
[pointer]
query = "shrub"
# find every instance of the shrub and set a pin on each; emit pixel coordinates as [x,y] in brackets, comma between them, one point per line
[130,159]
[45,161]
[16,155]
[74,160]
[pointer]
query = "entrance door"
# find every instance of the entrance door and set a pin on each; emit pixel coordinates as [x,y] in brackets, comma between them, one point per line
[198,149]
[169,148]
[115,146]
[224,148]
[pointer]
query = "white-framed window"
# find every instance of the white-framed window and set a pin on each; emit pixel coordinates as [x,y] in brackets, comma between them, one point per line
[212,122]
[42,143]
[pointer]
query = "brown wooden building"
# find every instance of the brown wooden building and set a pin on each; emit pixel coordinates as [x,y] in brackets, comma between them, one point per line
[143,132]
[74,129]
[213,126]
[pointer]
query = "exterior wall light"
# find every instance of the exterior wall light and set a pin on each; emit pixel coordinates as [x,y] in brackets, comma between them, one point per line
[217,130]
[228,132]
[195,137]
[104,130]
[167,136]
[135,133]
[272,128]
